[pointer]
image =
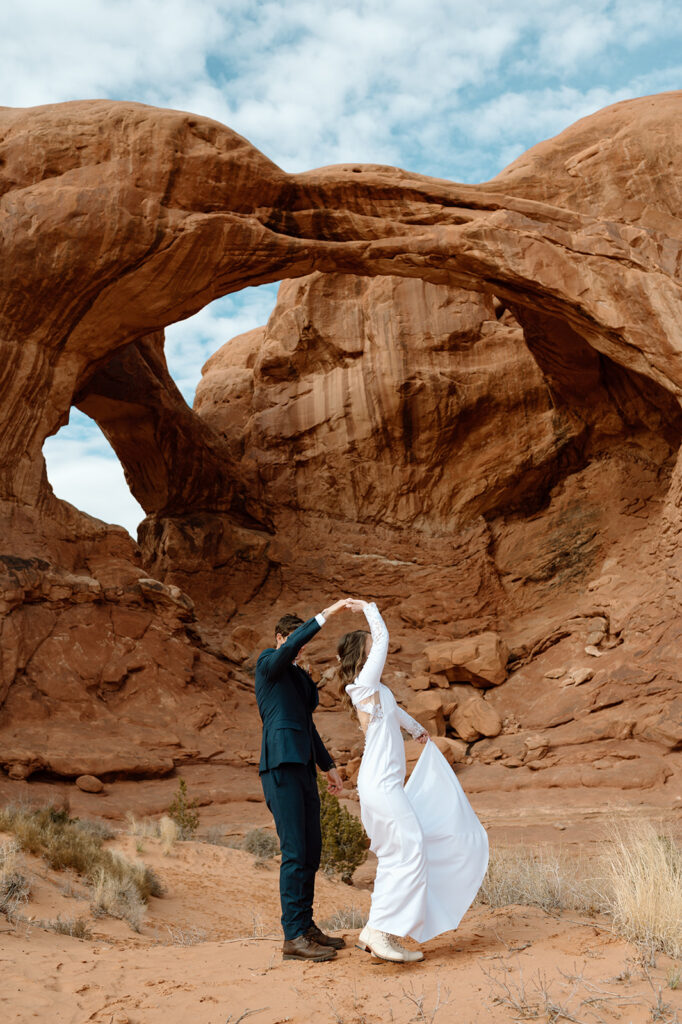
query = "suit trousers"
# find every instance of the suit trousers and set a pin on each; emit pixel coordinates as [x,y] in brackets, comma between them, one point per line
[292,797]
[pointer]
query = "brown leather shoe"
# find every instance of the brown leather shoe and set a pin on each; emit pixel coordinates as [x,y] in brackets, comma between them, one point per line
[303,948]
[321,939]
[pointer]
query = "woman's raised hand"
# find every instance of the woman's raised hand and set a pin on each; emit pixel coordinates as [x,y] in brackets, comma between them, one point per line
[355,604]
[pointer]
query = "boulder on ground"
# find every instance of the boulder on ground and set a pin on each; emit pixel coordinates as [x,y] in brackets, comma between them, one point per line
[481,660]
[427,708]
[475,718]
[89,783]
[419,681]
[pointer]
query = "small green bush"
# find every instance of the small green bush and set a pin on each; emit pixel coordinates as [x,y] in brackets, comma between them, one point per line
[344,841]
[183,813]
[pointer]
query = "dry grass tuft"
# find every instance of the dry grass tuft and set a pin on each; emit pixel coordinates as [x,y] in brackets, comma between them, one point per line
[96,828]
[77,928]
[345,917]
[117,897]
[637,882]
[539,878]
[642,888]
[166,829]
[186,936]
[15,887]
[169,833]
[145,829]
[121,887]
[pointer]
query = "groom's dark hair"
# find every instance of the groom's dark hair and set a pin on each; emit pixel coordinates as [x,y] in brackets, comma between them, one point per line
[287,624]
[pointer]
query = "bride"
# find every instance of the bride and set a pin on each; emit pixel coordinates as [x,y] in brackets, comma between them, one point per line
[432,851]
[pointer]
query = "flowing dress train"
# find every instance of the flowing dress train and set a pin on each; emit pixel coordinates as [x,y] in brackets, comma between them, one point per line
[431,849]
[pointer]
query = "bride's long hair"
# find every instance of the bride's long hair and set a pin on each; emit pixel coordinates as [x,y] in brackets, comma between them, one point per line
[350,654]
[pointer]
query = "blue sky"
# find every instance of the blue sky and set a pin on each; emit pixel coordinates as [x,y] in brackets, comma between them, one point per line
[442,87]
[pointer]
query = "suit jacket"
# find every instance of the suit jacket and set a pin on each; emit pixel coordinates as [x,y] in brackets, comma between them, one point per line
[287,697]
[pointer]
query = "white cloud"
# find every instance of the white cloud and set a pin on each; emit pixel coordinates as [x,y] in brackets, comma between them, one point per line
[317,83]
[83,469]
[444,87]
[189,343]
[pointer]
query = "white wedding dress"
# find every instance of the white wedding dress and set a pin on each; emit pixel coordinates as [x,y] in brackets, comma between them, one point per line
[432,851]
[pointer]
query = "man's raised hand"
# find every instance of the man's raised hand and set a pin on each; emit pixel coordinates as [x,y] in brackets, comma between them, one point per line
[355,604]
[336,607]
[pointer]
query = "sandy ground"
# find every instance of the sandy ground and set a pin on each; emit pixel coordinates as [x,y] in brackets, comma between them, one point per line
[210,953]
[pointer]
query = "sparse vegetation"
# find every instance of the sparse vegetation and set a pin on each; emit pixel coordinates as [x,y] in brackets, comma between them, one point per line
[637,883]
[182,811]
[145,829]
[169,833]
[346,917]
[344,841]
[117,897]
[96,828]
[165,829]
[186,936]
[215,836]
[537,878]
[642,890]
[77,928]
[120,887]
[14,885]
[260,843]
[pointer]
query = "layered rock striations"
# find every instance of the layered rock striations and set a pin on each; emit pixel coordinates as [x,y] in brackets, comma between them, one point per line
[466,405]
[409,448]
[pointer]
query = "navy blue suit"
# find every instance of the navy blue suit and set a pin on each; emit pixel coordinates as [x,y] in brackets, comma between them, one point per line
[290,750]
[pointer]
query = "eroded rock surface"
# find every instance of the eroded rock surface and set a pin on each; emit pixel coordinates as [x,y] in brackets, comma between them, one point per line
[466,406]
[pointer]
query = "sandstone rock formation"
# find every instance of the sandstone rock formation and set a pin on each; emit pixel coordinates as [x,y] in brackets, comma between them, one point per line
[467,405]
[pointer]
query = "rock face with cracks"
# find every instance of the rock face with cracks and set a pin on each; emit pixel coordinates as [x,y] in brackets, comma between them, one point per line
[466,406]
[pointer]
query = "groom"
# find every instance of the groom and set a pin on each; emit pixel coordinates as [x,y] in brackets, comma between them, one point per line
[290,750]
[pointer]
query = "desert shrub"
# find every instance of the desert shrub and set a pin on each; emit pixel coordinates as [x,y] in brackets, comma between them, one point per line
[182,811]
[344,841]
[117,897]
[642,887]
[62,842]
[14,885]
[260,843]
[77,928]
[49,833]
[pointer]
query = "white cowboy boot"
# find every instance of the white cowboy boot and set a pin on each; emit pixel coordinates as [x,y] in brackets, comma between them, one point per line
[385,946]
[378,944]
[410,956]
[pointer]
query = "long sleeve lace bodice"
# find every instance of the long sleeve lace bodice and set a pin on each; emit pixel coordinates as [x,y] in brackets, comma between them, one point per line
[408,723]
[364,692]
[368,680]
